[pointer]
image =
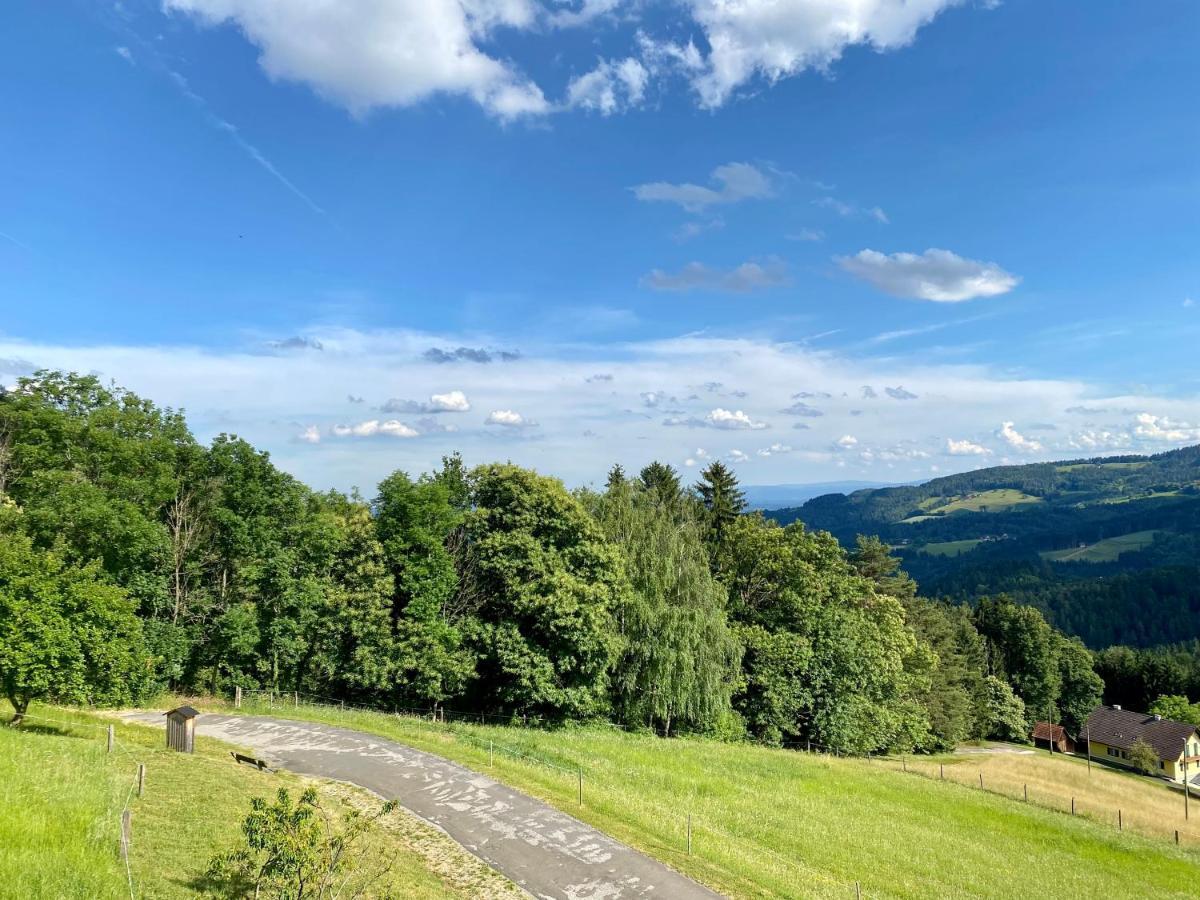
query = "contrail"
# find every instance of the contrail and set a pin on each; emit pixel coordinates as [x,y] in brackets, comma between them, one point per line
[21,244]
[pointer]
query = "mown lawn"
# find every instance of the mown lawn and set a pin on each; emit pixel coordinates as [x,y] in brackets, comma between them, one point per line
[61,795]
[776,823]
[1106,550]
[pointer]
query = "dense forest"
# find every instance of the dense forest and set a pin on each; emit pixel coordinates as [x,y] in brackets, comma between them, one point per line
[133,558]
[1108,549]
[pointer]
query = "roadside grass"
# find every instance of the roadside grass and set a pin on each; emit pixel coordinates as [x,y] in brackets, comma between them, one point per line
[63,793]
[1107,550]
[1148,805]
[950,548]
[777,823]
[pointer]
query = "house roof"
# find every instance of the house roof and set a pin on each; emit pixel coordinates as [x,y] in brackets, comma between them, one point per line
[1122,727]
[1044,731]
[186,711]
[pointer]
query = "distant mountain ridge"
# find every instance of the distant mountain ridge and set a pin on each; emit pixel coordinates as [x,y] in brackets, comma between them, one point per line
[1108,548]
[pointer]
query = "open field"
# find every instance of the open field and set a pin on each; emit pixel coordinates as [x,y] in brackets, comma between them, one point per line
[950,548]
[1001,498]
[1114,466]
[777,823]
[61,795]
[1148,806]
[1106,550]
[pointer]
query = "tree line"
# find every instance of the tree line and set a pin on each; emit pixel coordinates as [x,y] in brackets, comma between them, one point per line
[134,559]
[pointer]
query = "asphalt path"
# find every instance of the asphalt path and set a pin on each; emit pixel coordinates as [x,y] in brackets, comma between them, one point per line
[546,852]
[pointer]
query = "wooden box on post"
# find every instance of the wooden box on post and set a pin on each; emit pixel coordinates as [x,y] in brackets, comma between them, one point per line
[181,731]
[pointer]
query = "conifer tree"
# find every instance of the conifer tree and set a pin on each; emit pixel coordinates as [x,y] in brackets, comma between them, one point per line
[663,482]
[719,493]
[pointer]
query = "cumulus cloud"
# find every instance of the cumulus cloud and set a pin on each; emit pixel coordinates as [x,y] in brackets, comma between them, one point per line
[507,418]
[1016,440]
[936,275]
[849,210]
[451,401]
[1162,428]
[364,54]
[847,442]
[310,435]
[374,427]
[737,456]
[733,419]
[695,276]
[966,448]
[611,87]
[732,183]
[775,39]
[773,450]
[808,235]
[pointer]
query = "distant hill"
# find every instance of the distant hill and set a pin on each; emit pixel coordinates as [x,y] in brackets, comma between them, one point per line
[1108,548]
[773,496]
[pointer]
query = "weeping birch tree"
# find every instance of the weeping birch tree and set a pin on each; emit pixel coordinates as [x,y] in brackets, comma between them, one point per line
[679,661]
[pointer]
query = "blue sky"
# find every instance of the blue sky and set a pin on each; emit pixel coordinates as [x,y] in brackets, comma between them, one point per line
[687,230]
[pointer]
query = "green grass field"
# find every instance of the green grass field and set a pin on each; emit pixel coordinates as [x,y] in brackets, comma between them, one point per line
[950,548]
[1115,466]
[61,795]
[1001,498]
[776,823]
[1106,550]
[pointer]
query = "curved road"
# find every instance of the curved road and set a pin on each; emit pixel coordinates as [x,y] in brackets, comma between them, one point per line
[546,852]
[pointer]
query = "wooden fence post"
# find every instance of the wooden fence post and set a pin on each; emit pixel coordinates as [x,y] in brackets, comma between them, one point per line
[126,833]
[491,758]
[581,785]
[1176,837]
[1072,806]
[237,697]
[110,738]
[904,764]
[942,771]
[689,834]
[295,699]
[141,778]
[1026,793]
[1120,824]
[981,781]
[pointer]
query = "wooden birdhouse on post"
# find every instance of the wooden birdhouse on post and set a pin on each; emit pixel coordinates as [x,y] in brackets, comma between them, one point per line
[181,728]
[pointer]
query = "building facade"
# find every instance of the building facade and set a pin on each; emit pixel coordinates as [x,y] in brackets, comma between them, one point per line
[1112,731]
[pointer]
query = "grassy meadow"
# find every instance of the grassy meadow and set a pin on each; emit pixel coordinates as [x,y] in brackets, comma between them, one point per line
[1106,550]
[61,795]
[776,823]
[950,548]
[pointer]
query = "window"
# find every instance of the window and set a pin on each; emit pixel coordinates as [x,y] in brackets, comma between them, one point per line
[1161,764]
[1113,751]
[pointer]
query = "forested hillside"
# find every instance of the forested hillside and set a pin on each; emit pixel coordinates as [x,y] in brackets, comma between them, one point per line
[1108,549]
[133,558]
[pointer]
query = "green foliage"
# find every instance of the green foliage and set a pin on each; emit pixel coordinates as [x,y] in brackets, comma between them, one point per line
[663,482]
[1005,712]
[548,585]
[293,852]
[1177,708]
[679,660]
[65,635]
[722,499]
[1143,757]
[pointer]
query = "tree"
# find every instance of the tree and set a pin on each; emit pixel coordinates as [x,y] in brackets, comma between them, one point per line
[1177,708]
[679,660]
[1081,688]
[662,481]
[873,559]
[1143,757]
[549,585]
[722,498]
[293,851]
[1005,712]
[1023,650]
[616,477]
[65,634]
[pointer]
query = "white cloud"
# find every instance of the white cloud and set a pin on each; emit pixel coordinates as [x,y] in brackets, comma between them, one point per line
[124,53]
[847,441]
[1017,440]
[374,427]
[779,38]
[364,54]
[613,86]
[937,275]
[1162,428]
[1188,302]
[734,182]
[899,393]
[773,450]
[806,234]
[696,276]
[966,448]
[451,401]
[849,210]
[507,418]
[733,419]
[310,435]
[737,456]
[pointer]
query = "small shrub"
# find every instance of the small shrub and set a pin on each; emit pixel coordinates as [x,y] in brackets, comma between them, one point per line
[1143,757]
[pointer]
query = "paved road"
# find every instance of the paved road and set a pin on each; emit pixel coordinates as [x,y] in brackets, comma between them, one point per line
[548,853]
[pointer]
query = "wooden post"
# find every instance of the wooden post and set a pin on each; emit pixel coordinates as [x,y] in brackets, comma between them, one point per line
[581,785]
[904,764]
[981,781]
[1072,806]
[857,891]
[295,699]
[689,834]
[237,697]
[942,771]
[1186,792]
[1026,793]
[342,705]
[491,758]
[1120,823]
[141,778]
[110,738]
[1088,739]
[126,833]
[1176,837]
[1050,725]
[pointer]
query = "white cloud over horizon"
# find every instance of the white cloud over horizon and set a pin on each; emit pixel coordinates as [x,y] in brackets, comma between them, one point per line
[297,406]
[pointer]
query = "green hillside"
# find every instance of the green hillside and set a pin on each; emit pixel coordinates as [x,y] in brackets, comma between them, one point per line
[1093,543]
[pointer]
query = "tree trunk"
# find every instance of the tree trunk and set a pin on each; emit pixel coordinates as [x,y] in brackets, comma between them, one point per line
[20,706]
